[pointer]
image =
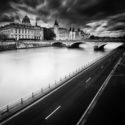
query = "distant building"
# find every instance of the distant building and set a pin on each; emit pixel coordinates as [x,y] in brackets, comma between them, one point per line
[22,31]
[26,31]
[66,34]
[61,33]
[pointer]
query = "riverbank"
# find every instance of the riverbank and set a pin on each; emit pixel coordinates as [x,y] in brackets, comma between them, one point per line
[26,44]
[13,45]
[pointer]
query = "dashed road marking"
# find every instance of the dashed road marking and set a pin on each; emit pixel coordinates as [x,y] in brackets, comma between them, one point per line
[88,79]
[53,112]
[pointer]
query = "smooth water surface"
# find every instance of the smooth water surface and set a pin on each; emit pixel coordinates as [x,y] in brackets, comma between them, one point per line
[25,71]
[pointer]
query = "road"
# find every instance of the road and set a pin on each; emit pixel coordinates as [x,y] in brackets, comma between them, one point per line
[110,108]
[65,105]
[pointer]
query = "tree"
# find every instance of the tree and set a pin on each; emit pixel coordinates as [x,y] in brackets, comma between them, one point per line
[49,34]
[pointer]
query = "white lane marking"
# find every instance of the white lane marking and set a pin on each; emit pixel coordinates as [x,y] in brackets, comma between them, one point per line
[53,112]
[87,68]
[88,79]
[96,97]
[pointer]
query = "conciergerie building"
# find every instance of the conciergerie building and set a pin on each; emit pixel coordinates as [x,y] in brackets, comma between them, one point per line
[22,30]
[67,34]
[26,31]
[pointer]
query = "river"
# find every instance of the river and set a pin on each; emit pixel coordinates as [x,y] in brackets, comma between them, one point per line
[25,71]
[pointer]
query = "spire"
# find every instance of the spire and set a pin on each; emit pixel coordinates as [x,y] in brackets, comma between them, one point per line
[56,23]
[70,29]
[79,30]
[26,20]
[36,22]
[73,29]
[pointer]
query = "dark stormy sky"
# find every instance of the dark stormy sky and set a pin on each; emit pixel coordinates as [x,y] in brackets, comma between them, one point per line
[98,17]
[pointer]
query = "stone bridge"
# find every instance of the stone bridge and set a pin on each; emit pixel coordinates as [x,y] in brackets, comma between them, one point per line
[99,45]
[61,43]
[76,43]
[69,44]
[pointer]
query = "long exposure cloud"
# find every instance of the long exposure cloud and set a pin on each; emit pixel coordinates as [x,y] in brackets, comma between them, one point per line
[98,17]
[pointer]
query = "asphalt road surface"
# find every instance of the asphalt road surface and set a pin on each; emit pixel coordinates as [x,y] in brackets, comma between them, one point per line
[110,109]
[65,105]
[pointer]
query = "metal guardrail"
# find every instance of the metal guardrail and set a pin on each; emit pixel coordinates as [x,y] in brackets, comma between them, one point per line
[10,109]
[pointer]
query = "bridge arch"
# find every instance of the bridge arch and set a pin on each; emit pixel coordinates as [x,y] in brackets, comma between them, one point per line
[58,44]
[99,47]
[75,45]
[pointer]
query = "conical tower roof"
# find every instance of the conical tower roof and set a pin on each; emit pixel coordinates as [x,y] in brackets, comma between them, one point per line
[70,29]
[79,30]
[56,23]
[26,20]
[36,22]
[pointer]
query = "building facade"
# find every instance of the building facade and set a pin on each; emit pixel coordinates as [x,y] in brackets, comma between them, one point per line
[26,31]
[23,31]
[66,34]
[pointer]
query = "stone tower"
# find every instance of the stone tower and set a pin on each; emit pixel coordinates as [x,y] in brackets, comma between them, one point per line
[56,29]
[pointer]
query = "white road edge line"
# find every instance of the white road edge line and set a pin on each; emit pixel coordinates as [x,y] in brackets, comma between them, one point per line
[88,79]
[87,68]
[53,112]
[94,100]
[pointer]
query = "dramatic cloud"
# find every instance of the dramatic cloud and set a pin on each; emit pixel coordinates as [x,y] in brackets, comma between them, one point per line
[98,17]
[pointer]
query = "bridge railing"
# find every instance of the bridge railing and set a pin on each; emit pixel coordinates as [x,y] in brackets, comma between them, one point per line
[22,103]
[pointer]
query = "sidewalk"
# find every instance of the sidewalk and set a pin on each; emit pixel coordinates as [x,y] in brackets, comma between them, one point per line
[110,108]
